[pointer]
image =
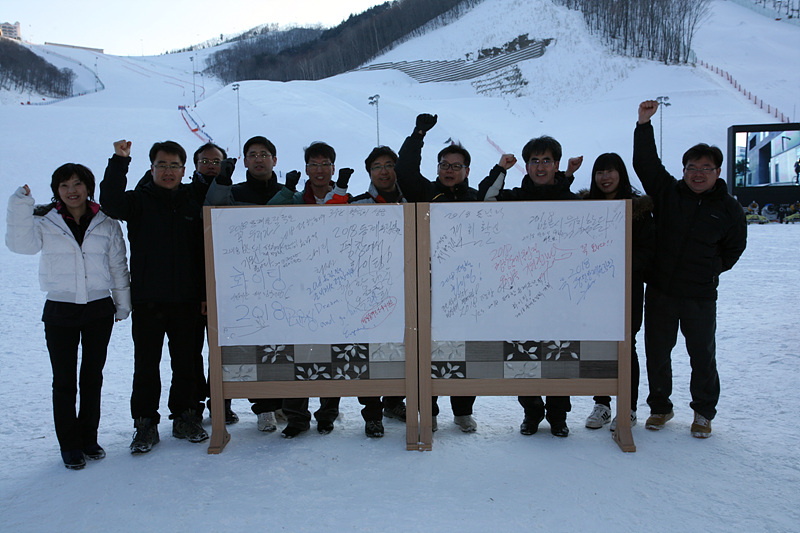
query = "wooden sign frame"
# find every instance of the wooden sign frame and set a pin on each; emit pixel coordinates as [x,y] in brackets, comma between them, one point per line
[222,390]
[428,387]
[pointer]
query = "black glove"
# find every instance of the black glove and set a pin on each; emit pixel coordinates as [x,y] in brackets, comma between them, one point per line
[425,122]
[344,177]
[292,177]
[226,167]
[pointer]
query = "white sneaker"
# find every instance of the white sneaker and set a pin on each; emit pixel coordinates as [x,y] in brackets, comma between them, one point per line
[267,422]
[601,415]
[466,423]
[614,422]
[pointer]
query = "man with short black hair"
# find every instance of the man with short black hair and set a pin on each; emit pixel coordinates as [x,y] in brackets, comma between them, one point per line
[165,230]
[700,232]
[451,185]
[543,181]
[260,186]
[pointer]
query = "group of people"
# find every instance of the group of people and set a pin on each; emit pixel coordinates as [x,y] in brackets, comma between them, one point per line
[686,232]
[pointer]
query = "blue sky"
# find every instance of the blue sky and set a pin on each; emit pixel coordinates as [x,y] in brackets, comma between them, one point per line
[153,27]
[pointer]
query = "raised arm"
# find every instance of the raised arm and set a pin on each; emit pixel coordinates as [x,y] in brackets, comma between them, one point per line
[112,189]
[407,168]
[22,237]
[220,190]
[646,163]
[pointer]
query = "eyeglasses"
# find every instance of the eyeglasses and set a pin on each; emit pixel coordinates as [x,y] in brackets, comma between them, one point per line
[212,162]
[546,162]
[378,168]
[705,170]
[171,166]
[444,165]
[259,155]
[319,165]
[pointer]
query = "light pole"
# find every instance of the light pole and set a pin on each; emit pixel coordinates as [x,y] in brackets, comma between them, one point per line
[194,92]
[663,101]
[373,100]
[238,115]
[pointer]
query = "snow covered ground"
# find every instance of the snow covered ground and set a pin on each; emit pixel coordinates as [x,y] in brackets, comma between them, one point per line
[744,478]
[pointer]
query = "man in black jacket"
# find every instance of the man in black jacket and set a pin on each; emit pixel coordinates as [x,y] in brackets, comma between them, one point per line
[165,230]
[700,232]
[261,184]
[543,181]
[451,185]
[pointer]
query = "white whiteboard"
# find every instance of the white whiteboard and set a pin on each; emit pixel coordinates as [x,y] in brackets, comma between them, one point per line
[528,270]
[309,274]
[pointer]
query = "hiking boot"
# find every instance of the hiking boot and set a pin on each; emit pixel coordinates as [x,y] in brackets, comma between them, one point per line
[601,415]
[187,426]
[94,452]
[324,427]
[466,423]
[656,421]
[145,436]
[398,412]
[290,432]
[73,459]
[267,422]
[230,416]
[434,423]
[530,424]
[374,429]
[559,428]
[614,422]
[701,427]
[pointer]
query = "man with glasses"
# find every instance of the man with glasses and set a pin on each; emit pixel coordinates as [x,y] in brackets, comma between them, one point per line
[165,230]
[260,186]
[543,181]
[319,189]
[451,185]
[383,189]
[700,232]
[261,183]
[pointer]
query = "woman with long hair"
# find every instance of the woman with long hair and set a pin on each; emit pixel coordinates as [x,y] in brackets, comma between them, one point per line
[610,181]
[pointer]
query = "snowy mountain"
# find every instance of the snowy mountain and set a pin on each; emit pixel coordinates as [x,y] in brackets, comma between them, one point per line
[741,479]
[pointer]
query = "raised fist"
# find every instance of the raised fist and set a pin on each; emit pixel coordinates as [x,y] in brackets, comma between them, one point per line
[647,109]
[573,164]
[226,167]
[122,148]
[344,177]
[425,122]
[507,161]
[292,178]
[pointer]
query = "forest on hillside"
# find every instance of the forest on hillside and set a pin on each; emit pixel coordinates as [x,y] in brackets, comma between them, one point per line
[344,47]
[21,70]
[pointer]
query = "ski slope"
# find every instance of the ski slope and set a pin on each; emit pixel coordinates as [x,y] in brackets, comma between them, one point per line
[744,478]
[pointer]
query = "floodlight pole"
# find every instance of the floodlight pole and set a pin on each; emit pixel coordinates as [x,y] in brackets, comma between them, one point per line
[238,115]
[663,101]
[373,100]
[194,92]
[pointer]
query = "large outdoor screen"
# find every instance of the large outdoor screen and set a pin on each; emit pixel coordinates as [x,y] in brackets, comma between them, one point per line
[764,162]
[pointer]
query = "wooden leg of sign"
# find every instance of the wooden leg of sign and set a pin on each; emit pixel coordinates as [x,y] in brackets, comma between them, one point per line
[623,436]
[219,433]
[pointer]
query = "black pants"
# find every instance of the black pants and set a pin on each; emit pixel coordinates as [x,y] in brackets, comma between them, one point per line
[180,322]
[76,432]
[298,415]
[637,307]
[461,405]
[555,409]
[267,405]
[697,320]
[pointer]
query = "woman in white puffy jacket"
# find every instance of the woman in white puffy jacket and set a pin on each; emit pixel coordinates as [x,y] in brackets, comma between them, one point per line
[83,269]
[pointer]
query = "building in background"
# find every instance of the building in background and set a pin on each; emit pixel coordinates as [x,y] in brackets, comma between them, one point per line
[11,31]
